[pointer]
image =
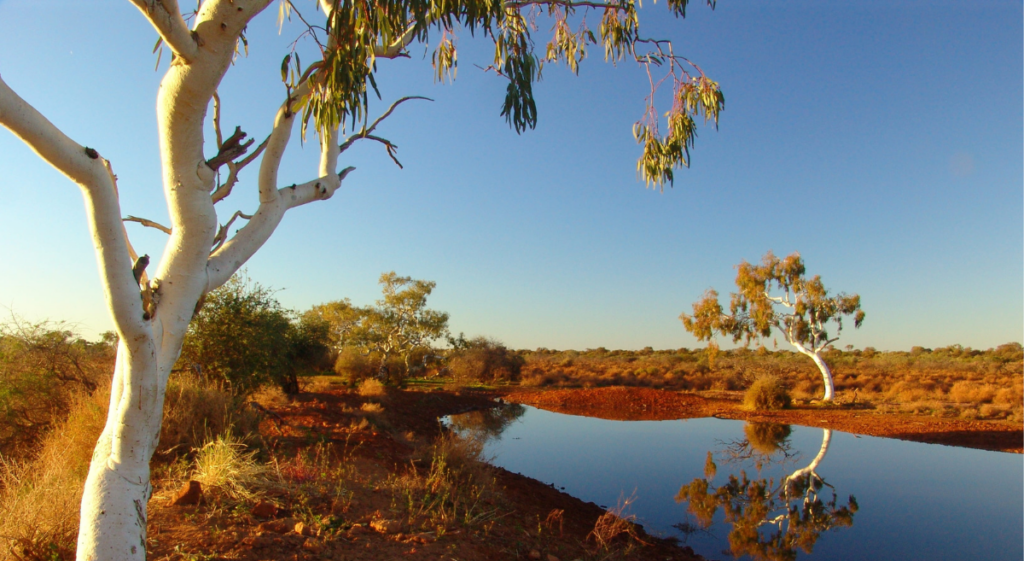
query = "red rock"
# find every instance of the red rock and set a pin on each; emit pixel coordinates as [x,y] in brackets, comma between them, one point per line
[534,554]
[264,509]
[190,494]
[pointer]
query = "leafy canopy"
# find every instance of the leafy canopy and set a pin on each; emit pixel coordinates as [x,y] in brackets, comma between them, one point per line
[775,295]
[333,91]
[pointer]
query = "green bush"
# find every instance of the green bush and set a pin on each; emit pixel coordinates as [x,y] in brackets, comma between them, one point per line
[767,393]
[485,360]
[353,365]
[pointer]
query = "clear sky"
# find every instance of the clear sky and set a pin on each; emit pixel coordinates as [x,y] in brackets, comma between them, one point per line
[882,139]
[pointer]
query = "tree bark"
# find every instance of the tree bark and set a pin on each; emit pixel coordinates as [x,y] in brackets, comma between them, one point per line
[826,374]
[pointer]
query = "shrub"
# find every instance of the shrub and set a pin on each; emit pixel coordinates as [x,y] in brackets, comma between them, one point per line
[353,366]
[968,392]
[371,387]
[486,360]
[43,366]
[766,393]
[242,338]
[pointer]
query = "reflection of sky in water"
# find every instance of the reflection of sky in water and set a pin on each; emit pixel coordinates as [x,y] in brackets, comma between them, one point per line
[917,501]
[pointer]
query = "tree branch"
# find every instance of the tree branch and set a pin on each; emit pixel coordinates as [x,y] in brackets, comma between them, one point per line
[233,147]
[148,223]
[85,167]
[222,233]
[365,133]
[396,49]
[165,16]
[224,189]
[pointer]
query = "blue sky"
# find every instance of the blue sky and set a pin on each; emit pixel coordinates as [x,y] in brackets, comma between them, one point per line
[881,139]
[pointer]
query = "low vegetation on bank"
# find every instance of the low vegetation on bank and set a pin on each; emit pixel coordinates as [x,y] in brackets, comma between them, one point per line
[227,433]
[948,381]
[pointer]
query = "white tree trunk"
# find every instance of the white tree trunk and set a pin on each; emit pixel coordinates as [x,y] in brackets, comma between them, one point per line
[826,372]
[826,439]
[826,375]
[113,514]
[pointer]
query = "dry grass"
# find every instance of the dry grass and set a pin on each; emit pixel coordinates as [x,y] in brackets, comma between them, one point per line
[456,489]
[371,387]
[615,526]
[227,466]
[942,381]
[195,409]
[40,497]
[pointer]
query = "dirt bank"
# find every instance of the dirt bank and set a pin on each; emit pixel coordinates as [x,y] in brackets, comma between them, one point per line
[630,403]
[377,465]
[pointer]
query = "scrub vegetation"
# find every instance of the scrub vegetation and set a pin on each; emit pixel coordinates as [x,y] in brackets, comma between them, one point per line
[947,381]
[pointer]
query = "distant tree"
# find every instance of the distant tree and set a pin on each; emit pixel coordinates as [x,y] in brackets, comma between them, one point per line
[400,323]
[341,318]
[776,295]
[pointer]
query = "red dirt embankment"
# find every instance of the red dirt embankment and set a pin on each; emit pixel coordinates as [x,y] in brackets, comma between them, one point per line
[527,519]
[636,404]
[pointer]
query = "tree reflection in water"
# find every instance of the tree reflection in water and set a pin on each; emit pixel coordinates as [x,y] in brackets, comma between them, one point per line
[770,520]
[486,424]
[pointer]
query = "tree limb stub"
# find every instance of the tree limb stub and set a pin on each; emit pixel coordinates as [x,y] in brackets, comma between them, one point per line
[231,148]
[148,223]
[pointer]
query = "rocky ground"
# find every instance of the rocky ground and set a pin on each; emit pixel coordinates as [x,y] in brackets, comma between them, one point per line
[368,496]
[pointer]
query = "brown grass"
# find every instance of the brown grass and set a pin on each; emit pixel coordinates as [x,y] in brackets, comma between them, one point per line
[40,497]
[942,381]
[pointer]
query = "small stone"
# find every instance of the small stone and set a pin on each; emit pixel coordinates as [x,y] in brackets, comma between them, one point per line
[264,509]
[534,554]
[553,558]
[312,545]
[190,494]
[281,526]
[302,529]
[385,526]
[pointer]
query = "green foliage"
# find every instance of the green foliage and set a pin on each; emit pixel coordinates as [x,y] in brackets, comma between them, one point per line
[357,34]
[484,360]
[400,324]
[775,295]
[241,338]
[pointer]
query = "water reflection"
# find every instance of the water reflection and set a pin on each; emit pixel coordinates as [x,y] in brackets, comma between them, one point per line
[488,424]
[770,520]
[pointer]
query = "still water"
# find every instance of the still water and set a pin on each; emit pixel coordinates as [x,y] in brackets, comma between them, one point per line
[840,495]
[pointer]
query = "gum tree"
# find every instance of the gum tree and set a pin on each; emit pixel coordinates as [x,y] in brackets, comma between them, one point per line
[400,323]
[776,296]
[151,310]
